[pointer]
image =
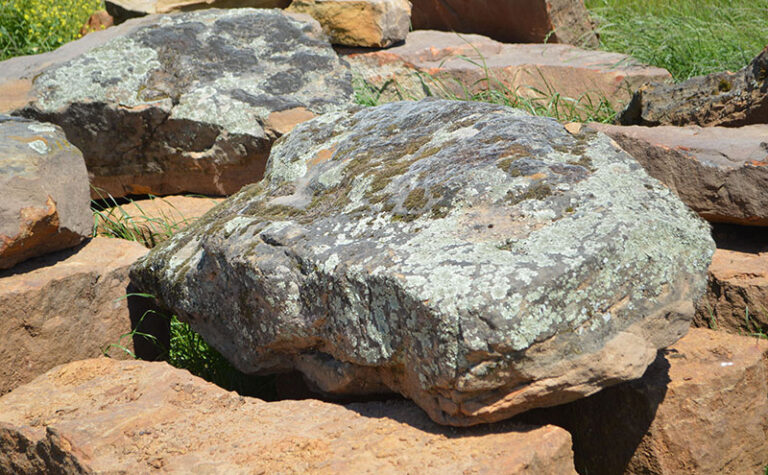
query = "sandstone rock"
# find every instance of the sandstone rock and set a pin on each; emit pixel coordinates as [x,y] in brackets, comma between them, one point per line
[124,10]
[64,307]
[97,22]
[700,408]
[737,295]
[106,416]
[368,23]
[153,220]
[468,61]
[182,103]
[725,99]
[44,193]
[513,21]
[721,173]
[469,256]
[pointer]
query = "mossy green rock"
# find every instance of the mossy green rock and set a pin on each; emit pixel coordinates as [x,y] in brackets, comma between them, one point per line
[187,102]
[476,259]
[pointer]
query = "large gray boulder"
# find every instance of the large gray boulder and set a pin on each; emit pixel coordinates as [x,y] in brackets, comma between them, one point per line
[182,103]
[469,256]
[45,201]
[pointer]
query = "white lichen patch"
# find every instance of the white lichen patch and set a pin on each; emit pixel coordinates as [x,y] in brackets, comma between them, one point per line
[39,146]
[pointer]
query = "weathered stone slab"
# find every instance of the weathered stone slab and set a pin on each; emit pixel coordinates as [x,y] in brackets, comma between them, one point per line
[471,257]
[64,307]
[154,219]
[124,10]
[721,99]
[737,294]
[512,21]
[45,201]
[434,62]
[182,103]
[365,23]
[700,408]
[106,416]
[721,173]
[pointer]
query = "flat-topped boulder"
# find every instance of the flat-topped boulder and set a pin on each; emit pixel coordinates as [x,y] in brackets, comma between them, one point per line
[45,201]
[473,258]
[123,10]
[189,102]
[721,99]
[64,307]
[513,21]
[107,416]
[446,64]
[720,172]
[364,23]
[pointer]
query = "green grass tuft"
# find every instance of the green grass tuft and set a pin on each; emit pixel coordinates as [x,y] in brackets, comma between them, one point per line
[687,37]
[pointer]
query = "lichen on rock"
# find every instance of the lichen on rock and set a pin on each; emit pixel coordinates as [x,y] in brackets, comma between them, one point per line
[393,245]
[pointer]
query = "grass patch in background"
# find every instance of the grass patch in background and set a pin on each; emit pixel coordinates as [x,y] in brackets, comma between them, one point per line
[37,26]
[687,37]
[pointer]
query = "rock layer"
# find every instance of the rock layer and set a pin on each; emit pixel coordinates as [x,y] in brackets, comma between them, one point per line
[721,99]
[104,416]
[476,259]
[64,307]
[513,21]
[189,102]
[700,408]
[365,23]
[719,172]
[446,64]
[44,193]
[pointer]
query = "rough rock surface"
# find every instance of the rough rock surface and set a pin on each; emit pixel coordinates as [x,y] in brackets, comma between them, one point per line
[188,102]
[513,21]
[106,416]
[721,173]
[44,195]
[725,99]
[366,23]
[737,295]
[434,61]
[152,220]
[123,10]
[63,307]
[476,259]
[700,408]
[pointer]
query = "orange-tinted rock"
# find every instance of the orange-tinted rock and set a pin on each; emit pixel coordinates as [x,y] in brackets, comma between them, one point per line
[100,20]
[44,194]
[514,21]
[103,415]
[439,62]
[153,220]
[737,293]
[64,307]
[700,408]
[719,172]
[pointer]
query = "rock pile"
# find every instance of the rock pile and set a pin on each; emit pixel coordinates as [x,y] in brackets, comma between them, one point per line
[498,270]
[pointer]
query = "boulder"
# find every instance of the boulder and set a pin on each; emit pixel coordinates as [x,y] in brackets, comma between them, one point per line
[154,219]
[124,10]
[446,64]
[737,294]
[721,173]
[512,21]
[720,99]
[45,201]
[181,103]
[64,307]
[367,23]
[700,408]
[107,416]
[476,259]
